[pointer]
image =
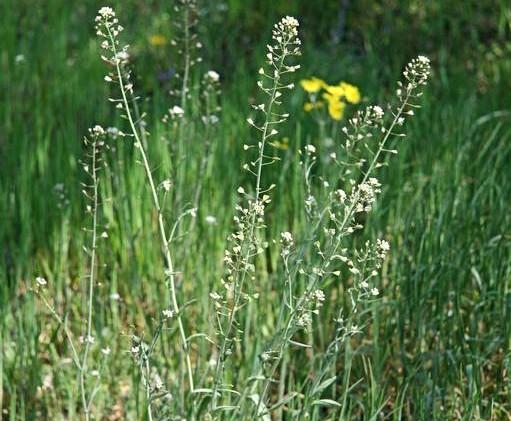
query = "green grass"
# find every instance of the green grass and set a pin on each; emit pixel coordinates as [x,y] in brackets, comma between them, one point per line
[436,346]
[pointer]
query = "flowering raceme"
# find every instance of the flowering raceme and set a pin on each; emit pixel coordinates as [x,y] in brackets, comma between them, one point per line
[336,97]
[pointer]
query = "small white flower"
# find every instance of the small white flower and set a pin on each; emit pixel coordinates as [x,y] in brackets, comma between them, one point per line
[41,281]
[122,57]
[354,271]
[213,76]
[20,58]
[375,292]
[166,184]
[319,295]
[378,111]
[310,149]
[286,237]
[214,296]
[176,111]
[87,339]
[106,12]
[383,245]
[210,220]
[304,320]
[97,130]
[167,314]
[106,351]
[114,132]
[341,195]
[115,296]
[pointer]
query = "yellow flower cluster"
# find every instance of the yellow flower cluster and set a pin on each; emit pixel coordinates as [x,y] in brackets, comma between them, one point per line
[335,96]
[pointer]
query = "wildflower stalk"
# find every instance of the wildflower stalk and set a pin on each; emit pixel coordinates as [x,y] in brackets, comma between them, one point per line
[108,22]
[90,191]
[285,33]
[91,277]
[246,259]
[416,74]
[161,225]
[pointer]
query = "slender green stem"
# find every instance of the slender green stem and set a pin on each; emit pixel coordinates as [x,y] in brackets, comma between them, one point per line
[260,160]
[88,337]
[161,224]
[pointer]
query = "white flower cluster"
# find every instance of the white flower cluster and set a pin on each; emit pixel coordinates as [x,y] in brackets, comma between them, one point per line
[244,243]
[167,314]
[361,127]
[310,149]
[213,76]
[97,131]
[105,14]
[377,112]
[364,195]
[303,320]
[107,24]
[108,29]
[285,35]
[288,26]
[286,242]
[176,112]
[382,248]
[40,281]
[210,93]
[417,71]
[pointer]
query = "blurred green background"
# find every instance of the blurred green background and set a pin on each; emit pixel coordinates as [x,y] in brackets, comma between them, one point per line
[440,341]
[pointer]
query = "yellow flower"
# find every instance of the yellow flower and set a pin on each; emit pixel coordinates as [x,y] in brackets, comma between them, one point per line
[337,91]
[351,92]
[336,110]
[309,106]
[312,85]
[335,106]
[157,40]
